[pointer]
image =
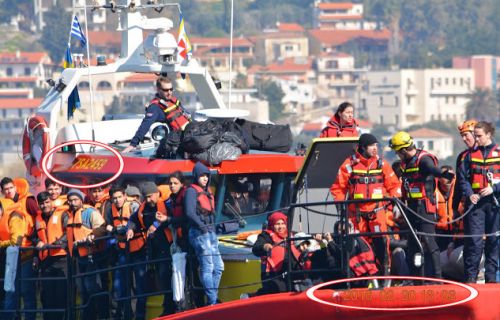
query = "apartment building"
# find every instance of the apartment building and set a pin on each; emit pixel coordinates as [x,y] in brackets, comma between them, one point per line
[406,97]
[340,16]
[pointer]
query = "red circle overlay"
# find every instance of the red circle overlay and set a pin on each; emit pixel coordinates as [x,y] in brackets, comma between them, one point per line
[473,294]
[45,159]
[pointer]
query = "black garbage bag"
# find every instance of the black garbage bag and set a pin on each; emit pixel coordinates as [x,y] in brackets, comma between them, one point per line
[200,136]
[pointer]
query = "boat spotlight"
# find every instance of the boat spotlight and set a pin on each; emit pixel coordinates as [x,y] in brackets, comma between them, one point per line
[159,131]
[161,47]
[418,260]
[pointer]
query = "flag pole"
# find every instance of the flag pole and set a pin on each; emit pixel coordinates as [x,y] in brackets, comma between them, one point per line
[231,55]
[89,74]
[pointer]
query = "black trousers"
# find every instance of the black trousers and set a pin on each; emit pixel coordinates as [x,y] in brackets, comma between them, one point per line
[428,241]
[54,292]
[483,219]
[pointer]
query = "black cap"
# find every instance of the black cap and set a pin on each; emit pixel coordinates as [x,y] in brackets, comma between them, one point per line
[367,139]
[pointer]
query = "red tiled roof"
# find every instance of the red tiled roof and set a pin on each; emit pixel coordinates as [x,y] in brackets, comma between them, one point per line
[20,103]
[428,133]
[335,6]
[18,79]
[313,126]
[338,37]
[364,123]
[220,42]
[141,77]
[24,57]
[287,66]
[290,27]
[105,38]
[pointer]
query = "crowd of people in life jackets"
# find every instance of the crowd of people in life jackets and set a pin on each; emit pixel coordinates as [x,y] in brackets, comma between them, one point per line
[107,226]
[454,212]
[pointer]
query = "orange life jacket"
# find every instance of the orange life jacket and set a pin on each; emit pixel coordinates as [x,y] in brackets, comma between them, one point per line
[175,116]
[366,183]
[60,201]
[160,206]
[445,209]
[414,183]
[205,203]
[274,261]
[9,211]
[480,166]
[76,231]
[50,232]
[178,209]
[121,218]
[100,204]
[363,261]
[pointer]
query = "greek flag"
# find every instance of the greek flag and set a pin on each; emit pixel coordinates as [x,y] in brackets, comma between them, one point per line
[76,31]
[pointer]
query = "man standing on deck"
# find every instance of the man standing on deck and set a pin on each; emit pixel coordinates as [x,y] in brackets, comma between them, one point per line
[365,176]
[420,173]
[164,107]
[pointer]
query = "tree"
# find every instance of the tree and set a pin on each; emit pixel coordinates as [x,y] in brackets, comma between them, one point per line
[483,105]
[55,33]
[272,92]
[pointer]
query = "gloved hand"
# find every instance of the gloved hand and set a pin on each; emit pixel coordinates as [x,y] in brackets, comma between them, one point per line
[448,175]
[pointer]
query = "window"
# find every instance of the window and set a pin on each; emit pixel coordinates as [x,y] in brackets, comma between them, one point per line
[104,85]
[288,48]
[420,144]
[27,71]
[446,100]
[4,113]
[9,72]
[454,81]
[432,117]
[83,85]
[381,119]
[408,100]
[446,81]
[20,113]
[396,120]
[381,101]
[396,101]
[461,82]
[431,144]
[454,99]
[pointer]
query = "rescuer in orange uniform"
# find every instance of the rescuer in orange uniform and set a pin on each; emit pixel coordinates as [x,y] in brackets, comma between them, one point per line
[366,176]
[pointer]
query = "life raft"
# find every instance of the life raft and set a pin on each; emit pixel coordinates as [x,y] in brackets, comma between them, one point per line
[35,144]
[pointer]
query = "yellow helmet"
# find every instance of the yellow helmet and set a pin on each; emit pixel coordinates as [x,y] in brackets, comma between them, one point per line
[400,140]
[467,126]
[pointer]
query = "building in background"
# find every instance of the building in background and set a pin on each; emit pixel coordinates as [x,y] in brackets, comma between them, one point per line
[24,69]
[339,80]
[288,40]
[436,142]
[408,97]
[340,16]
[213,53]
[486,69]
[97,18]
[13,114]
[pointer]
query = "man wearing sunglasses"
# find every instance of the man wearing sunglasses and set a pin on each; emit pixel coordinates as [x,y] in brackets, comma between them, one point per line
[164,107]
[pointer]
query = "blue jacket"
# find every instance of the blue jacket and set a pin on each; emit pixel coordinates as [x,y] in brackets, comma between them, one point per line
[463,174]
[205,223]
[154,113]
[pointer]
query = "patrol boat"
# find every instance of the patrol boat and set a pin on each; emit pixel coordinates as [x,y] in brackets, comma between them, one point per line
[273,180]
[89,151]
